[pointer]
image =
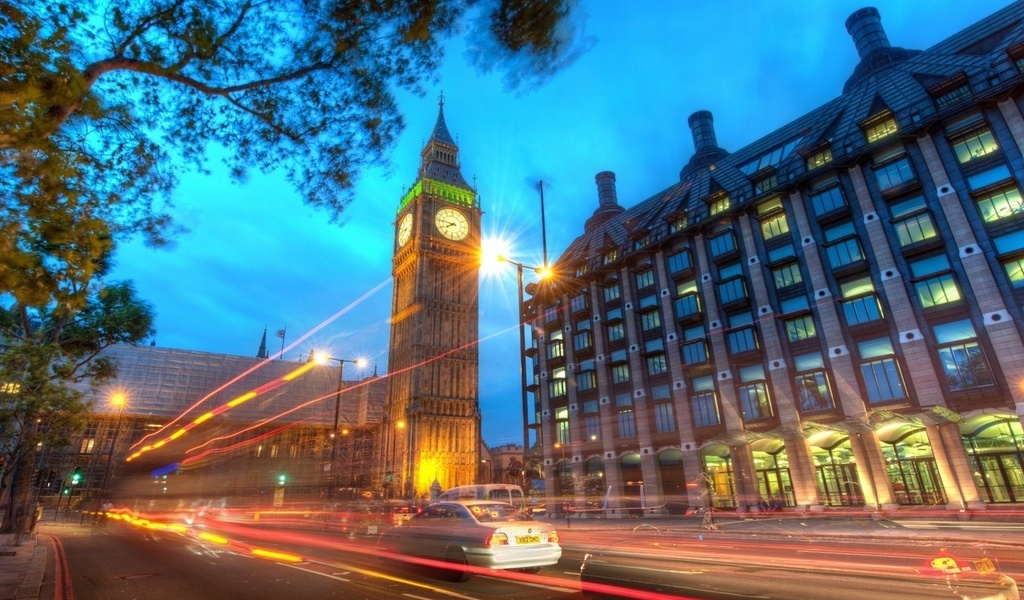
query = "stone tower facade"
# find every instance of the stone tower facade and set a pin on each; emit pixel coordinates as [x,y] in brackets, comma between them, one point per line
[431,428]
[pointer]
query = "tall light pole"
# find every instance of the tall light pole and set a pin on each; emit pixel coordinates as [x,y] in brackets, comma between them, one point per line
[359,362]
[119,401]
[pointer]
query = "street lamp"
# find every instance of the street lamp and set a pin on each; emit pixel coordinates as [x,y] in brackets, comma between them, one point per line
[543,273]
[359,362]
[119,401]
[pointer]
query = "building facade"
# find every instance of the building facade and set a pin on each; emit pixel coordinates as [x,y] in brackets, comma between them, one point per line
[283,430]
[431,429]
[829,316]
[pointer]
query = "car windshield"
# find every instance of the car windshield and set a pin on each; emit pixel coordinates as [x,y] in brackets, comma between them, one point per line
[497,511]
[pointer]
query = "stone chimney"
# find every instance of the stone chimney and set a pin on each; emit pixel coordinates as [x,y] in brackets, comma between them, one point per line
[865,26]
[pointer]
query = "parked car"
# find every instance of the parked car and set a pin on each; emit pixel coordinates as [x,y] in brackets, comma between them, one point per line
[475,534]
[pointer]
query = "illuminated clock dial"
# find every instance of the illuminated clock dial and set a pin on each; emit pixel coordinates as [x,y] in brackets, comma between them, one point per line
[452,224]
[405,229]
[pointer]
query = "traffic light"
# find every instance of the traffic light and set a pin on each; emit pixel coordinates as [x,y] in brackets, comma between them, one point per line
[76,476]
[281,479]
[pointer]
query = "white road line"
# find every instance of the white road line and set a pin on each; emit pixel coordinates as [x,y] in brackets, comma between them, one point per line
[315,572]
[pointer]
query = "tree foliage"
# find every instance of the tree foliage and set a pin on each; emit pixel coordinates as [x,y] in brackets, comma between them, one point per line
[97,97]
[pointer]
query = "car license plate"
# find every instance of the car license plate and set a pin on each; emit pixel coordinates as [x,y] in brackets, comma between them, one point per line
[984,565]
[527,539]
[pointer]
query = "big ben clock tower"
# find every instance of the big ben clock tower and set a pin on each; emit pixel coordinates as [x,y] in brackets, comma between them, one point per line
[431,426]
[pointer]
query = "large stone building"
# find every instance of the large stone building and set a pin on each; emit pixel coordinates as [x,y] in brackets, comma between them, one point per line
[283,427]
[830,315]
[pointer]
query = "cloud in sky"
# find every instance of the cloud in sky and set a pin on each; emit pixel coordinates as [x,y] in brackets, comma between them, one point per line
[256,257]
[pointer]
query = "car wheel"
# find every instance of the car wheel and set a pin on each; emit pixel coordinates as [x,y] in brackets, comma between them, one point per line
[530,570]
[457,558]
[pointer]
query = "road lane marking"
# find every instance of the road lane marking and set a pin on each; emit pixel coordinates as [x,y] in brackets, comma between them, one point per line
[335,577]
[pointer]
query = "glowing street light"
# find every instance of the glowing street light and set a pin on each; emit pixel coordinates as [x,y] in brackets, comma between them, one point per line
[322,358]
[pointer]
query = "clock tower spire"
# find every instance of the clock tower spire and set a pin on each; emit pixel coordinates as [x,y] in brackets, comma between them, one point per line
[431,414]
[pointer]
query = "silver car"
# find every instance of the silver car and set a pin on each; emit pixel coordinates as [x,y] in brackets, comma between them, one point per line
[480,534]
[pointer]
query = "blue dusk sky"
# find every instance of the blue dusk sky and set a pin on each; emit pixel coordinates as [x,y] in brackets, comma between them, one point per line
[254,256]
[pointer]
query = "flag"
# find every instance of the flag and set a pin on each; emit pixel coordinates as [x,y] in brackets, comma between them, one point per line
[280,333]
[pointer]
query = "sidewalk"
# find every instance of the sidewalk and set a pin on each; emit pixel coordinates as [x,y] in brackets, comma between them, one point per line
[22,567]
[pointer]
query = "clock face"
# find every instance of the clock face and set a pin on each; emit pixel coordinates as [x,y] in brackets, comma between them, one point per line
[452,224]
[405,229]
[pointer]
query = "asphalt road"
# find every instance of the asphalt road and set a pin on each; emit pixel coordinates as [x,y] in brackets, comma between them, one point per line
[124,561]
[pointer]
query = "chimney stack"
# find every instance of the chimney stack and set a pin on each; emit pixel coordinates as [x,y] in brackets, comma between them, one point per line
[606,189]
[865,26]
[703,129]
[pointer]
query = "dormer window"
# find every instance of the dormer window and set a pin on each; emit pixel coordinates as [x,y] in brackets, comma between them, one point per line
[641,241]
[819,159]
[951,91]
[677,224]
[766,183]
[610,256]
[880,127]
[718,204]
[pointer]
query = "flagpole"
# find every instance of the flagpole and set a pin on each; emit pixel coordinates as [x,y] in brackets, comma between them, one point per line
[281,333]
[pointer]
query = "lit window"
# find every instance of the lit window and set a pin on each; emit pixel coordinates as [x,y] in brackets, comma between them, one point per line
[880,129]
[933,281]
[1001,204]
[974,145]
[800,328]
[87,446]
[718,204]
[677,224]
[641,242]
[1015,271]
[860,303]
[912,222]
[610,256]
[819,159]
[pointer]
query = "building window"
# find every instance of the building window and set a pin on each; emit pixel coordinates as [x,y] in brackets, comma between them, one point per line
[1001,204]
[880,128]
[657,364]
[562,426]
[617,357]
[1015,271]
[883,380]
[722,243]
[786,275]
[704,403]
[962,359]
[610,256]
[677,224]
[555,348]
[579,303]
[952,96]
[647,302]
[624,406]
[694,347]
[87,446]
[650,320]
[741,336]
[860,303]
[642,241]
[644,277]
[583,340]
[556,388]
[894,173]
[975,144]
[819,159]
[933,282]
[613,315]
[733,290]
[550,314]
[774,226]
[679,261]
[912,222]
[753,394]
[592,426]
[616,332]
[718,204]
[811,383]
[664,418]
[828,200]
[612,292]
[844,246]
[620,373]
[800,328]
[988,177]
[586,379]
[766,183]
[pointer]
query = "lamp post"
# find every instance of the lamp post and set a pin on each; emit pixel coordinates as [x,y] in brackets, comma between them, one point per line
[119,400]
[359,362]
